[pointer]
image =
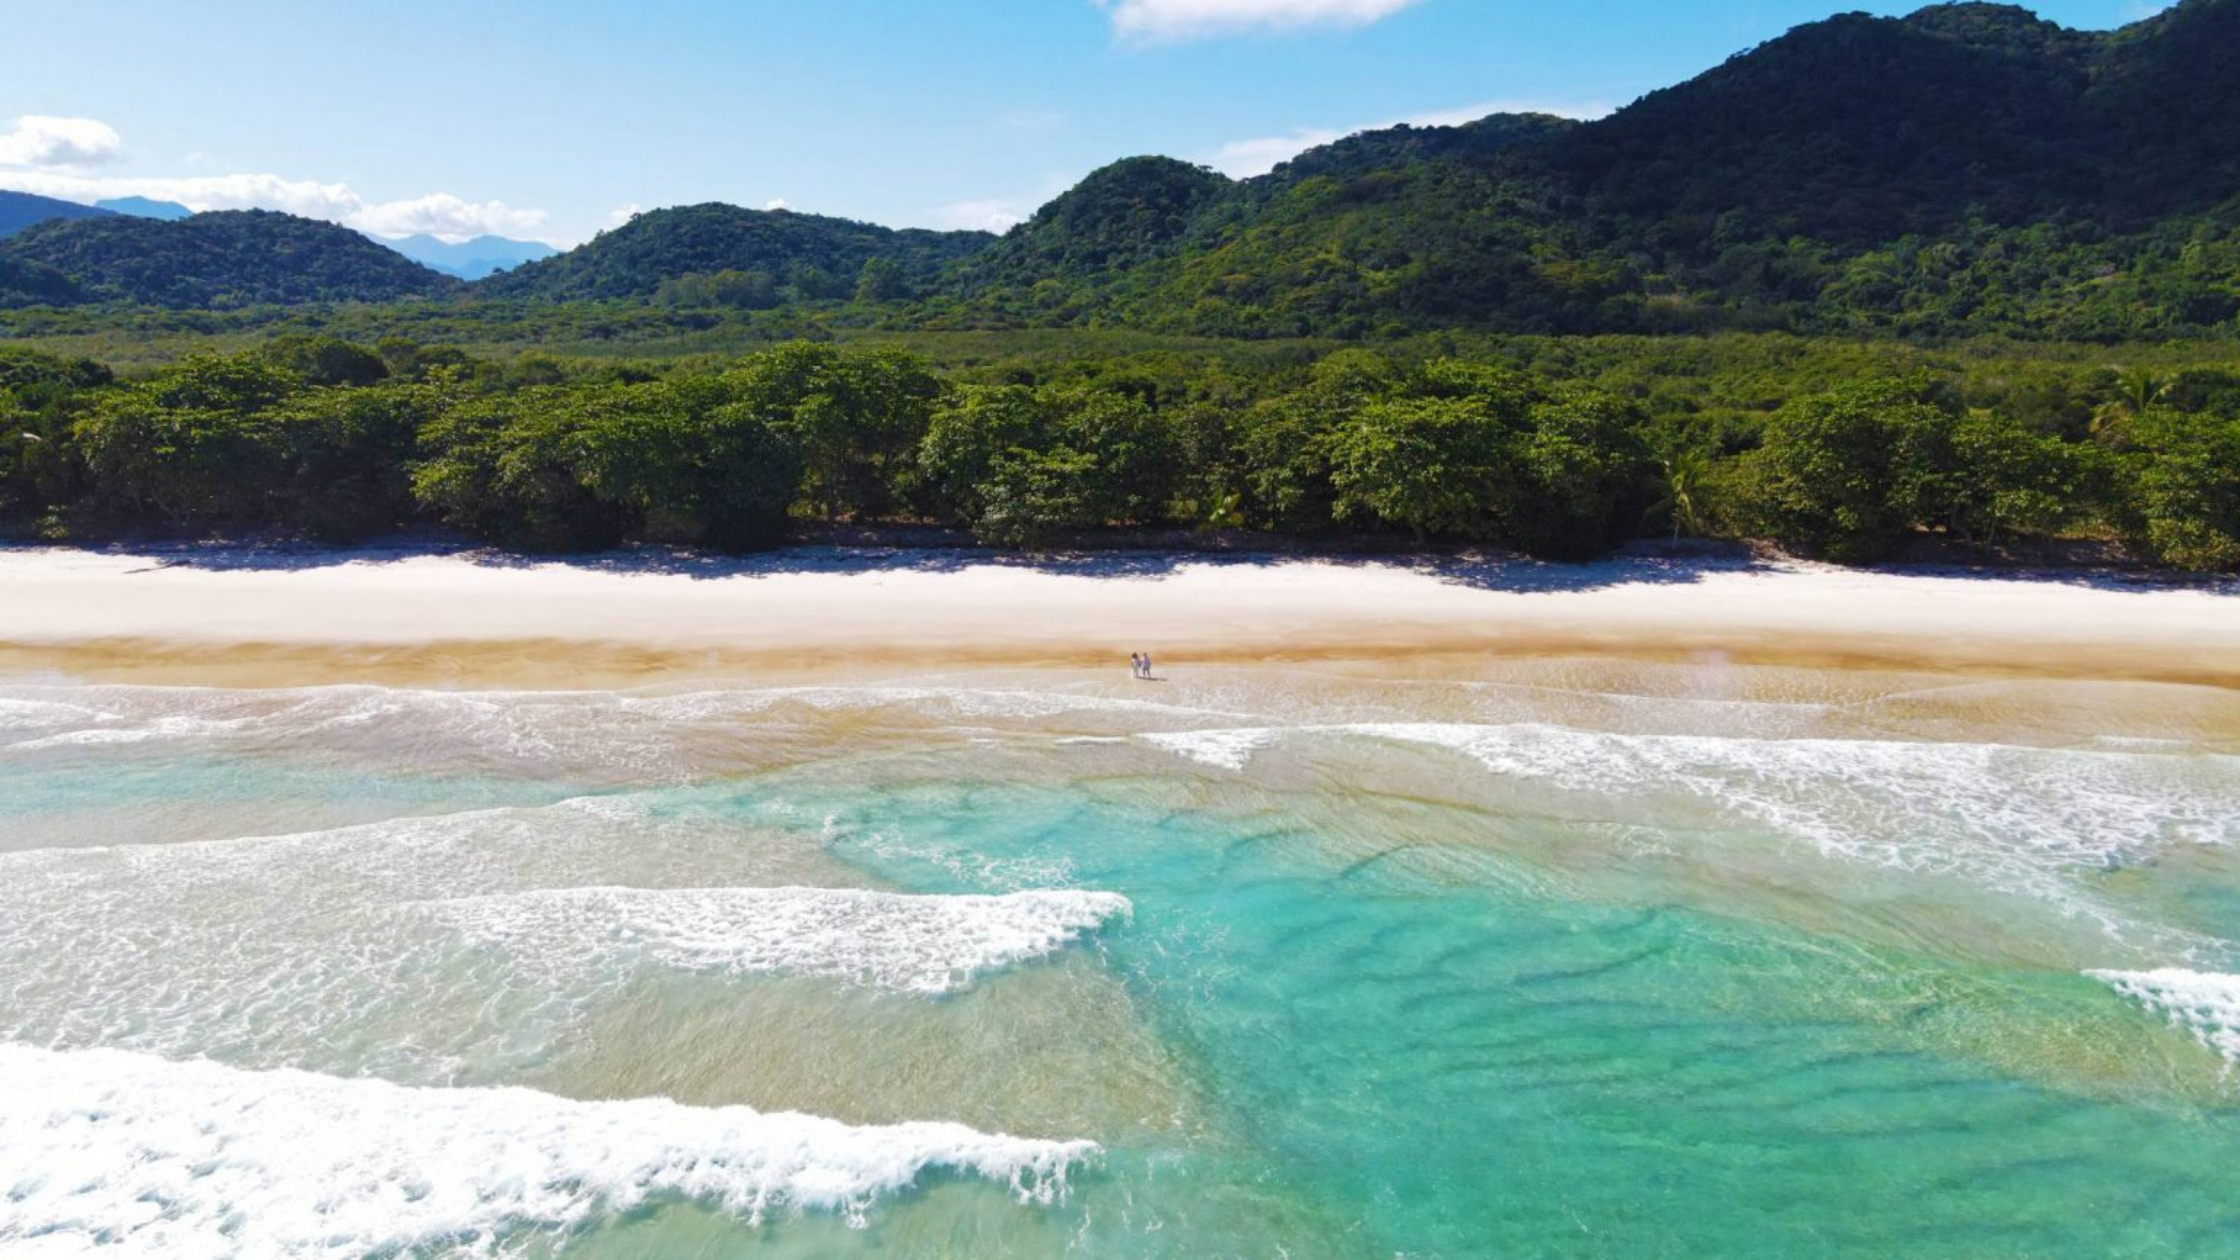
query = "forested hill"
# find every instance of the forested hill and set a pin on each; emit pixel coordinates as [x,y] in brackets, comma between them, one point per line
[1860,129]
[224,259]
[1968,168]
[741,257]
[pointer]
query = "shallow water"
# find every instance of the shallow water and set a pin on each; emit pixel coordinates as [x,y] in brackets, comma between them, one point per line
[1565,958]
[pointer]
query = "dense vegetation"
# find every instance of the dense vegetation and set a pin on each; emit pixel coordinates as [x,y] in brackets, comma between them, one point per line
[718,255]
[29,284]
[226,259]
[331,439]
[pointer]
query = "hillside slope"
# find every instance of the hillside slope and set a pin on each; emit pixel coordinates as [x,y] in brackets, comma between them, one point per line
[225,259]
[1969,168]
[809,255]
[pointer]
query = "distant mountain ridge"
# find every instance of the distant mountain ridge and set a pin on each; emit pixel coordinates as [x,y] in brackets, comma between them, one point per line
[146,208]
[19,210]
[471,259]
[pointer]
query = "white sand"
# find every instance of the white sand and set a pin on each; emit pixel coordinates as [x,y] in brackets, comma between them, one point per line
[945,610]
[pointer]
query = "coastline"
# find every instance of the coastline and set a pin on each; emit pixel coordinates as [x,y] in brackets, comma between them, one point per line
[473,618]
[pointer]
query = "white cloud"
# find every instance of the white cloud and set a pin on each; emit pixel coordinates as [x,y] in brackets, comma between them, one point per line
[441,214]
[436,214]
[777,203]
[1192,19]
[40,141]
[1258,156]
[992,215]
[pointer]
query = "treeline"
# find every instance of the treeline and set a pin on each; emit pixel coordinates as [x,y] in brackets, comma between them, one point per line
[316,435]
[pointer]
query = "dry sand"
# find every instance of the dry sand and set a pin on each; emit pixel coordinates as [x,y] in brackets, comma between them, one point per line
[294,616]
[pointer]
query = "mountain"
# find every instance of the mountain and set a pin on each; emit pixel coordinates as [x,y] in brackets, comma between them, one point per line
[1414,218]
[810,255]
[145,208]
[469,260]
[224,259]
[1129,212]
[1969,168]
[19,210]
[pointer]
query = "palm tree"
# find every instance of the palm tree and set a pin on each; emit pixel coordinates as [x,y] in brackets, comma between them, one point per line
[2137,391]
[1686,480]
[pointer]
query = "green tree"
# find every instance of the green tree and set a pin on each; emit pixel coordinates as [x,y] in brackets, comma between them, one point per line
[854,419]
[882,280]
[1032,498]
[970,433]
[41,398]
[2131,394]
[1132,469]
[1283,443]
[2182,483]
[348,453]
[1849,474]
[2008,480]
[1426,465]
[1580,475]
[1685,481]
[196,444]
[520,470]
[324,360]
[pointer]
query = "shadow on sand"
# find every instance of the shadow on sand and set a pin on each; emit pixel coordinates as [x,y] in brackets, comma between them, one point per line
[1643,564]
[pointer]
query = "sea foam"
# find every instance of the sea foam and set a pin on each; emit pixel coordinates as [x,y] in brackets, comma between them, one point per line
[491,935]
[916,943]
[2022,820]
[112,1153]
[645,736]
[1224,750]
[2205,1003]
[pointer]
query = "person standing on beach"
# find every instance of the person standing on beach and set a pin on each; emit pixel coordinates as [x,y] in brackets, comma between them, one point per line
[1146,659]
[1135,664]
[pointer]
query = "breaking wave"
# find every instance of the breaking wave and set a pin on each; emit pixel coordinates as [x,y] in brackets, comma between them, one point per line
[105,1149]
[921,944]
[2205,1003]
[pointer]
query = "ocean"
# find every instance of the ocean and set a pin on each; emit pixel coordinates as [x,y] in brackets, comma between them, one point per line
[1554,957]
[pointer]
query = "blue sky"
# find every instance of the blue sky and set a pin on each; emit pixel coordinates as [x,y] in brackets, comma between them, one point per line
[552,120]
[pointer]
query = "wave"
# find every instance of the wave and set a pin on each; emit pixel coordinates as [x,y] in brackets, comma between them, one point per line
[637,736]
[921,944]
[2205,1003]
[105,1149]
[2022,819]
[1223,750]
[424,948]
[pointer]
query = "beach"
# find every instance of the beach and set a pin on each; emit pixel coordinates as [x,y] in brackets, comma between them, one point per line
[407,615]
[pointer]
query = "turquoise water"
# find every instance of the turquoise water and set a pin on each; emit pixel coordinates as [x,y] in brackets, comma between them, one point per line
[1586,966]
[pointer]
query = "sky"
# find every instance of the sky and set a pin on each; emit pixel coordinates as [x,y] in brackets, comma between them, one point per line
[557,119]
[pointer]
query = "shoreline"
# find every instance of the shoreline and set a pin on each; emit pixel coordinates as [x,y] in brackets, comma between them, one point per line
[419,614]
